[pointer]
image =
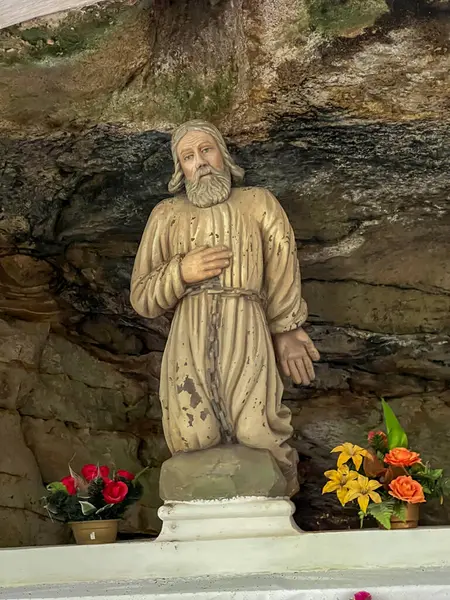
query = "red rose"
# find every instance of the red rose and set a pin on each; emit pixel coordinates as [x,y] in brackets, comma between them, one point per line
[115,491]
[91,472]
[125,474]
[69,482]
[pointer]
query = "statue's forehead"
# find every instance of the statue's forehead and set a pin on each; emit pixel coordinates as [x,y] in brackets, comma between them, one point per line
[194,138]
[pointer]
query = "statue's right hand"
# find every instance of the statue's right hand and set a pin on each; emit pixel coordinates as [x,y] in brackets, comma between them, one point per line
[204,263]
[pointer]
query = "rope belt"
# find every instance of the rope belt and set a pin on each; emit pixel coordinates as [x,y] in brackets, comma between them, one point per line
[226,292]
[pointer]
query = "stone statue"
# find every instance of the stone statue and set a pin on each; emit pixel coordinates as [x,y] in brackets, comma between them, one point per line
[225,258]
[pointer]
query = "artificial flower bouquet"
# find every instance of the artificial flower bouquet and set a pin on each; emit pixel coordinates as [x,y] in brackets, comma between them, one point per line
[386,478]
[96,494]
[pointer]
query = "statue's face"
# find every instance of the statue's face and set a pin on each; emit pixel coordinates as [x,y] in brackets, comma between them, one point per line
[196,150]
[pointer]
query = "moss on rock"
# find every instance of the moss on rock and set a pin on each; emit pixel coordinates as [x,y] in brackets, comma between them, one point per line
[340,17]
[42,39]
[187,95]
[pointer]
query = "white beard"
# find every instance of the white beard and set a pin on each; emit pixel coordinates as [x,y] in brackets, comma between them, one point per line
[209,191]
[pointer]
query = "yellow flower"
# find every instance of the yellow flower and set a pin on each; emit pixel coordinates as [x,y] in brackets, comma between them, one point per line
[350,451]
[363,489]
[338,482]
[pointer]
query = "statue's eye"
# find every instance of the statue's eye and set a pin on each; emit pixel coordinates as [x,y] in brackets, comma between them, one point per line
[187,157]
[205,150]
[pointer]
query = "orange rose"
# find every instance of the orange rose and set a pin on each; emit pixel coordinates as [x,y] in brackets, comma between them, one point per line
[407,489]
[401,457]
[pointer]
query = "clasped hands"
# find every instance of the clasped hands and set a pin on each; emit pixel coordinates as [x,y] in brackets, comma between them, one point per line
[294,349]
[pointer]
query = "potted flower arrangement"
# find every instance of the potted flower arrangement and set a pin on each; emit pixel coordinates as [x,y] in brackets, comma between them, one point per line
[92,503]
[388,480]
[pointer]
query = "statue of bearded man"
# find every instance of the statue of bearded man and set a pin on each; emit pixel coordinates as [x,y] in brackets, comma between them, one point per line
[225,258]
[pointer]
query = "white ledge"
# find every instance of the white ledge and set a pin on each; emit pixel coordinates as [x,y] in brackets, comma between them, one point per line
[393,584]
[413,549]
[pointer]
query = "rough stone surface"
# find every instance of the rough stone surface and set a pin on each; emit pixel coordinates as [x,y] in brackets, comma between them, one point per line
[222,472]
[22,518]
[340,108]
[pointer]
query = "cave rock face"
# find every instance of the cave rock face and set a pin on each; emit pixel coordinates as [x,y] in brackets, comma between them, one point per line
[340,109]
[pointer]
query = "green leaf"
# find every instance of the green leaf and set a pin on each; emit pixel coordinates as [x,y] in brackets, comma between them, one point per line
[381,455]
[400,510]
[103,508]
[431,480]
[396,434]
[382,512]
[87,508]
[57,486]
[417,469]
[434,473]
[50,509]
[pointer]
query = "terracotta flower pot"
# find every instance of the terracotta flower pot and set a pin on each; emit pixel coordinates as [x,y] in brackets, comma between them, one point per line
[412,518]
[95,532]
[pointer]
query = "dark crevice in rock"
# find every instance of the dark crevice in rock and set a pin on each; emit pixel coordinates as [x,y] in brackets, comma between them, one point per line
[28,510]
[418,8]
[2,472]
[436,291]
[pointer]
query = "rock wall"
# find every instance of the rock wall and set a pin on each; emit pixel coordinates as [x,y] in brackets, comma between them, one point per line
[341,109]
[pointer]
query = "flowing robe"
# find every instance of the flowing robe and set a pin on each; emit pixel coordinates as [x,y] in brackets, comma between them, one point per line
[219,377]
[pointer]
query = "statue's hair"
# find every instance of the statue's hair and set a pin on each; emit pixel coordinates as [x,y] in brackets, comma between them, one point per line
[176,184]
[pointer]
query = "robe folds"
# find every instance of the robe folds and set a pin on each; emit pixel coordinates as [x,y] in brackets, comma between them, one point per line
[219,377]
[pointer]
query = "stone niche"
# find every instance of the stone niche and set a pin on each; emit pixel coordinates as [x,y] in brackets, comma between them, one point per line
[340,109]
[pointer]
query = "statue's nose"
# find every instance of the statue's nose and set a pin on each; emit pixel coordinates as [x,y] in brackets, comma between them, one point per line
[200,160]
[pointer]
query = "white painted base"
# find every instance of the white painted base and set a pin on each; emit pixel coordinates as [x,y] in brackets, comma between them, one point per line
[237,518]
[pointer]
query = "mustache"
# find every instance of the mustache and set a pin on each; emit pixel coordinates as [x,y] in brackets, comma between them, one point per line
[206,170]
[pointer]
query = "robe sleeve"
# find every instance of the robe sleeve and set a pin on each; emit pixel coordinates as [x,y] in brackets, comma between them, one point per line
[156,282]
[286,309]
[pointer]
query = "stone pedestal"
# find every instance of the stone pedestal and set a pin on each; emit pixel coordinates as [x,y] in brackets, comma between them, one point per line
[220,473]
[242,517]
[227,492]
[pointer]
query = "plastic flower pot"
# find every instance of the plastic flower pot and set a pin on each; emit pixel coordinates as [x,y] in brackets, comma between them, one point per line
[411,522]
[95,532]
[412,518]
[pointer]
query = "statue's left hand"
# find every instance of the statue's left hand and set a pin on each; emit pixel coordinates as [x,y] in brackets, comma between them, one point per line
[295,352]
